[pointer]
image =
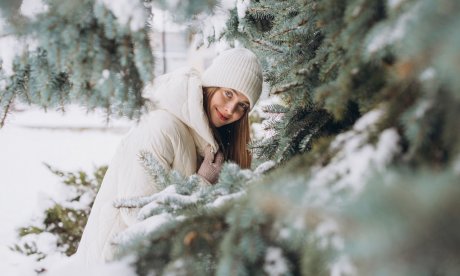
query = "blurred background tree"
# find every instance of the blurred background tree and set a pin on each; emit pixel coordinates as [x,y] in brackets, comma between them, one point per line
[79,52]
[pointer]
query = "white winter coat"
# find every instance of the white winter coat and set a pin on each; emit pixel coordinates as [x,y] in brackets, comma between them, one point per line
[175,132]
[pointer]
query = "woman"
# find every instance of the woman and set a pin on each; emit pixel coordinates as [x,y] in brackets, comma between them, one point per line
[196,124]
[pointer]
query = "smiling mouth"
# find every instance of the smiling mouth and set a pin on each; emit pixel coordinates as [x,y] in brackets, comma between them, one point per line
[222,117]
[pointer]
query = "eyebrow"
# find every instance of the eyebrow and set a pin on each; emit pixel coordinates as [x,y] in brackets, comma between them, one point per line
[238,93]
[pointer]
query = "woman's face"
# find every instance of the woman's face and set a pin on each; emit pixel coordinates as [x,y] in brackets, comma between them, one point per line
[227,106]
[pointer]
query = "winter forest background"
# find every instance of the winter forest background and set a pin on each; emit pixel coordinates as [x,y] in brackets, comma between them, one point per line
[356,147]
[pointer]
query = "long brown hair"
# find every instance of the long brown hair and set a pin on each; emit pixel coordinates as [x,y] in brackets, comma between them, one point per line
[233,138]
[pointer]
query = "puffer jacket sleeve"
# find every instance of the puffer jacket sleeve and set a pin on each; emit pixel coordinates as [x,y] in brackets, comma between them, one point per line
[156,134]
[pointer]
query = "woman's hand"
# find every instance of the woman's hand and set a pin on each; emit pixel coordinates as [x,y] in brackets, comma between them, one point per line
[211,166]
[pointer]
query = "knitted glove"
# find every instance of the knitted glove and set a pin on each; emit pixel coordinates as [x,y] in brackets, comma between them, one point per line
[211,166]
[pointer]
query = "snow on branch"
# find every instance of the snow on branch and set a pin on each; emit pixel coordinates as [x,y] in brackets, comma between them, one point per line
[185,200]
[128,13]
[354,160]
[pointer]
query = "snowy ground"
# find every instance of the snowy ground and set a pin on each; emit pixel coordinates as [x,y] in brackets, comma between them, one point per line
[69,142]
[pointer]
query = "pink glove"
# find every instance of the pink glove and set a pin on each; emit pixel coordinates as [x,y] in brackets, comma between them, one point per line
[211,166]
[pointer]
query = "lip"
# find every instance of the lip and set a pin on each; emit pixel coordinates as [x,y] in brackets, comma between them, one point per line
[221,116]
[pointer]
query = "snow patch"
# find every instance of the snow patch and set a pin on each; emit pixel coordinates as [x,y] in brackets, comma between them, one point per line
[299,223]
[74,266]
[2,84]
[104,77]
[456,166]
[128,13]
[27,185]
[228,4]
[275,263]
[74,117]
[285,233]
[32,8]
[10,47]
[387,147]
[144,227]
[169,194]
[354,161]
[368,120]
[391,34]
[105,74]
[221,200]
[342,267]
[2,24]
[427,74]
[422,108]
[163,21]
[262,168]
[328,234]
[214,25]
[178,268]
[260,130]
[242,6]
[46,242]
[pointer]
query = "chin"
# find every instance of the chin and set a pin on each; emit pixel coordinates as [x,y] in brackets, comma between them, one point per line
[215,122]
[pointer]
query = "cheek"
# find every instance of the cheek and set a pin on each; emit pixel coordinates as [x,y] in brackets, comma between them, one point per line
[216,100]
[237,116]
[214,118]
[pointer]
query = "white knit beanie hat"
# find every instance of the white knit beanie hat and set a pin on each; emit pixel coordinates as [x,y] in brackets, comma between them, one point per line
[238,69]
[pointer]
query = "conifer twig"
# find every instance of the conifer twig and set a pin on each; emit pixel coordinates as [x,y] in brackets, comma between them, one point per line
[303,22]
[285,88]
[6,111]
[265,44]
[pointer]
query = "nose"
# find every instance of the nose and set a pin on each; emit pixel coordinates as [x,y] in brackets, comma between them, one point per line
[230,107]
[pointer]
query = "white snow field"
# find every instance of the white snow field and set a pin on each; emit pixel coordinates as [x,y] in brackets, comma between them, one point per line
[70,142]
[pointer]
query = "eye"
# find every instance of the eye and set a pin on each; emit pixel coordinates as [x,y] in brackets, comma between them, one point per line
[244,106]
[228,93]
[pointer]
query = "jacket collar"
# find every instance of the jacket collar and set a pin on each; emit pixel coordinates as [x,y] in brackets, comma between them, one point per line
[180,93]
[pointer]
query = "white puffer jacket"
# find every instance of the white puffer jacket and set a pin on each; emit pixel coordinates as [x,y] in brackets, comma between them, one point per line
[175,132]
